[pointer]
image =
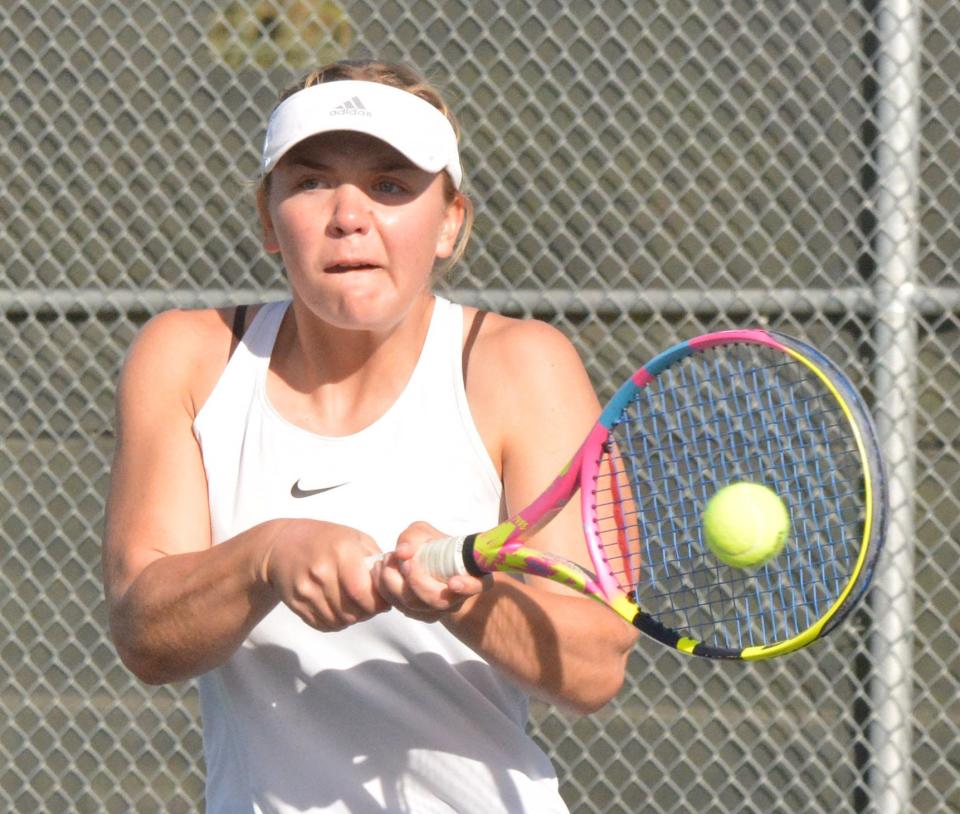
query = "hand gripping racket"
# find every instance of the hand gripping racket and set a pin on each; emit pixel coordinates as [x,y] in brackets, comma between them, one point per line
[745,405]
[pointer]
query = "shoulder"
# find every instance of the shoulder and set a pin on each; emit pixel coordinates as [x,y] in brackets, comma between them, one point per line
[526,384]
[523,352]
[180,353]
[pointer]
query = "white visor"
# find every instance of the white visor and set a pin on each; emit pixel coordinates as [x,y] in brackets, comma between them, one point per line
[409,124]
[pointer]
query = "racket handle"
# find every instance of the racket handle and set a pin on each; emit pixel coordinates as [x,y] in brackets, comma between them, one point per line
[442,559]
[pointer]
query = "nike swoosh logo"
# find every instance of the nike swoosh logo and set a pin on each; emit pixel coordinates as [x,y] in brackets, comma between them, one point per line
[296,491]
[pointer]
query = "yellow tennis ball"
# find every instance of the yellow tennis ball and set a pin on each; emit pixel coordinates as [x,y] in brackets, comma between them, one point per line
[746,524]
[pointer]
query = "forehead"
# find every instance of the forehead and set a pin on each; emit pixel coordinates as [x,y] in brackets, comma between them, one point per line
[346,146]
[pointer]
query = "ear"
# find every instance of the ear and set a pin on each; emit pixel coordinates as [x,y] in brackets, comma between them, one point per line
[450,227]
[269,238]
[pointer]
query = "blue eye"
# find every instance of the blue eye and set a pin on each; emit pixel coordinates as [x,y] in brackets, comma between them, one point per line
[388,187]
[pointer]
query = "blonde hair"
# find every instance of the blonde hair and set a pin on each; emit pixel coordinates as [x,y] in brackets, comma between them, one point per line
[404,78]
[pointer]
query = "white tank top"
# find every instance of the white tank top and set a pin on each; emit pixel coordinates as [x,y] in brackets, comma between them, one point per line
[390,714]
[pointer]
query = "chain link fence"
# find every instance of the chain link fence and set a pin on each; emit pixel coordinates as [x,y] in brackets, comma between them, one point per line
[643,171]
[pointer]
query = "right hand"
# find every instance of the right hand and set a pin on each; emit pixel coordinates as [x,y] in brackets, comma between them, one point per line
[319,571]
[407,586]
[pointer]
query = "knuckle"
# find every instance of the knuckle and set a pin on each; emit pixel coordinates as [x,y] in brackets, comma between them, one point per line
[319,571]
[302,588]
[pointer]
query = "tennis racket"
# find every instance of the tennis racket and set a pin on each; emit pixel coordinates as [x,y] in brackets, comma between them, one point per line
[744,405]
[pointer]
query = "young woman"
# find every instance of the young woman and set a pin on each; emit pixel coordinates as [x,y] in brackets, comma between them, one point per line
[264,455]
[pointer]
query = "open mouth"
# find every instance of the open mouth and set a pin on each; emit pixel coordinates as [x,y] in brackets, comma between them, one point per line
[343,268]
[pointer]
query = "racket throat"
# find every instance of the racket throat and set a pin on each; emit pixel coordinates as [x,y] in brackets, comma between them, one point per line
[468,557]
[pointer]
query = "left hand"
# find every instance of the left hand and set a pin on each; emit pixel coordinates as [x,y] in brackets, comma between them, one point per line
[403,583]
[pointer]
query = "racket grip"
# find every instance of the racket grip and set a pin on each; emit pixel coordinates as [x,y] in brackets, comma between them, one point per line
[442,559]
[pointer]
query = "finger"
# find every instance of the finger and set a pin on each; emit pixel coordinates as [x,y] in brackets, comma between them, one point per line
[348,592]
[318,616]
[372,560]
[426,592]
[464,585]
[388,581]
[361,596]
[326,605]
[400,593]
[424,582]
[415,536]
[395,588]
[417,594]
[406,549]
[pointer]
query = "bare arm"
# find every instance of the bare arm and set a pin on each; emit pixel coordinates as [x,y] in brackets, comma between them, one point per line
[178,604]
[561,645]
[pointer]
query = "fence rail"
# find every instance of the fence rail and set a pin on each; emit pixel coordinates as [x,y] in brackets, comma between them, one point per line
[927,302]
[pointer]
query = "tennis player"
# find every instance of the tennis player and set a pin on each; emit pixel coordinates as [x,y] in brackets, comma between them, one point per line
[266,455]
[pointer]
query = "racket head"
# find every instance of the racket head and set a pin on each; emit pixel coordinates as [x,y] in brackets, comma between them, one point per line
[748,405]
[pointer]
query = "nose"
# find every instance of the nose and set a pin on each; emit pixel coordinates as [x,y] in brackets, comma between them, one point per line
[351,211]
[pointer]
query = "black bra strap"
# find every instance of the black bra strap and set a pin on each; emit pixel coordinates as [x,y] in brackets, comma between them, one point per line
[471,338]
[239,322]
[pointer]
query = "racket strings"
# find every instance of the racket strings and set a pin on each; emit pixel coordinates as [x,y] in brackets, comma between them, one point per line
[735,414]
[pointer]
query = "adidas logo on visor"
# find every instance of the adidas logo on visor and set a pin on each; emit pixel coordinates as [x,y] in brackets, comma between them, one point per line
[352,107]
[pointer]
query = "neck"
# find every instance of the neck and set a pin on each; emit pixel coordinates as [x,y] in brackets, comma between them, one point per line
[340,380]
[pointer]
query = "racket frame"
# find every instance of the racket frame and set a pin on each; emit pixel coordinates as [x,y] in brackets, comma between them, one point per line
[502,548]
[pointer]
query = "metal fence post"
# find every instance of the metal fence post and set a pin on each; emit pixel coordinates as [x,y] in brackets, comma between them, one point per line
[898,61]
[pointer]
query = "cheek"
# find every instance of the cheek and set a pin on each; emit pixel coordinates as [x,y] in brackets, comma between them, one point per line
[402,236]
[293,226]
[418,236]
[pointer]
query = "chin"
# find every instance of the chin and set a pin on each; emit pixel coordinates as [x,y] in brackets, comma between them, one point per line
[362,309]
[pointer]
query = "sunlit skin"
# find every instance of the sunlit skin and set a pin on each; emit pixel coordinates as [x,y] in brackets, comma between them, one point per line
[359,228]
